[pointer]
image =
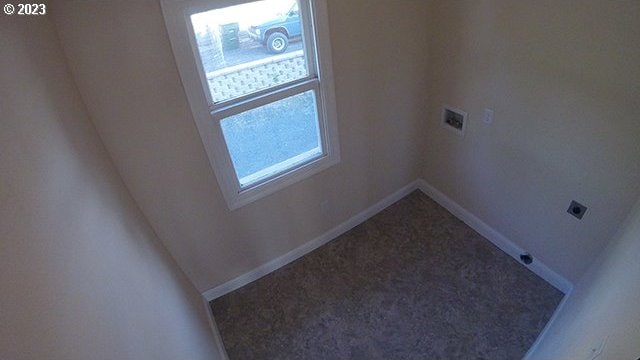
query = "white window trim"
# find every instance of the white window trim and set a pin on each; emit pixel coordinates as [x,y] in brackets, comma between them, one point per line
[176,14]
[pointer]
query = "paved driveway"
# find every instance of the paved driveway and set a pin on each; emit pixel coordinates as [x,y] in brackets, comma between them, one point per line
[252,50]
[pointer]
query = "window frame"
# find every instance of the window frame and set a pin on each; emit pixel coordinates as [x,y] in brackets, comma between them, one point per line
[208,115]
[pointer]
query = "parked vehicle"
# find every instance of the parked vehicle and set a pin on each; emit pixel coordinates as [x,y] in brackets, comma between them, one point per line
[275,34]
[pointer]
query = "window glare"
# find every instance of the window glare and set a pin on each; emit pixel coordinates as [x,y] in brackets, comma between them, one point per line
[247,14]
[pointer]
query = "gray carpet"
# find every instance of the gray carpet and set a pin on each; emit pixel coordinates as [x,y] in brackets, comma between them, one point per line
[413,282]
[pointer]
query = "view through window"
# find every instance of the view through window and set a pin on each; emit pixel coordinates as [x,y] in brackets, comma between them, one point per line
[259,69]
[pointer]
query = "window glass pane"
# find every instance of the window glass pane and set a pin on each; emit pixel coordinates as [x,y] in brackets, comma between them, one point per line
[273,138]
[250,47]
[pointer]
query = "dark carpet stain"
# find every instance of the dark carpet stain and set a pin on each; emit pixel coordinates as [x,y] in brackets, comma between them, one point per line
[413,282]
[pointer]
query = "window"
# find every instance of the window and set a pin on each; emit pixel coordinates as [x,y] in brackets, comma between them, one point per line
[259,82]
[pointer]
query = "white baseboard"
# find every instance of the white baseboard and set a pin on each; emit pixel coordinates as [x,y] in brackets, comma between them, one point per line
[544,331]
[499,240]
[461,213]
[308,247]
[217,339]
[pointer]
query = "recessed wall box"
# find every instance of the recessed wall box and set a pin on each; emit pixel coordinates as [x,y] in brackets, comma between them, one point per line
[454,119]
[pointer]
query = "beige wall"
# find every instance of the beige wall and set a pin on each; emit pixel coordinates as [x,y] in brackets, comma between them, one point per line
[120,56]
[82,275]
[603,307]
[562,77]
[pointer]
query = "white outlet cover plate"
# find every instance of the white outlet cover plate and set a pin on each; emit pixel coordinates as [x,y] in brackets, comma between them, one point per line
[488,116]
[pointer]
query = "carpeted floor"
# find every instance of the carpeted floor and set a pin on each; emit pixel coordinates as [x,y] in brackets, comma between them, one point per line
[413,282]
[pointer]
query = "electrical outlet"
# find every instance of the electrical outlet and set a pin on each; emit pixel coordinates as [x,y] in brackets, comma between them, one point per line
[577,210]
[488,116]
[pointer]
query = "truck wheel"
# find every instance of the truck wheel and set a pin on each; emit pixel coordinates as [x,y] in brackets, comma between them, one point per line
[277,43]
